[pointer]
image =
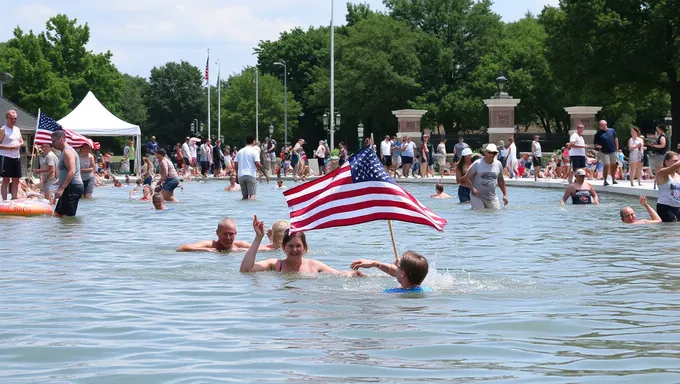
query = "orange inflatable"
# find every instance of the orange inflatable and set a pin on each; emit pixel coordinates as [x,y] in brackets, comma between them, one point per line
[25,207]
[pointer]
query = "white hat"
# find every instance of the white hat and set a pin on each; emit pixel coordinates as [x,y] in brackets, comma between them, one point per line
[580,172]
[491,147]
[466,152]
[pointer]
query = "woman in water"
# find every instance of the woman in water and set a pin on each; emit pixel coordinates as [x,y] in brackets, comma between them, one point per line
[275,234]
[87,165]
[668,180]
[461,169]
[580,191]
[294,247]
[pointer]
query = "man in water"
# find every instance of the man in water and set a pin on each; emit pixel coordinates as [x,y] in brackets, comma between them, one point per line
[71,186]
[628,214]
[439,188]
[485,175]
[410,271]
[158,201]
[246,165]
[226,240]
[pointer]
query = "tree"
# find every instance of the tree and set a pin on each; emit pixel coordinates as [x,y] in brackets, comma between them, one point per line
[616,52]
[174,98]
[133,103]
[238,108]
[358,12]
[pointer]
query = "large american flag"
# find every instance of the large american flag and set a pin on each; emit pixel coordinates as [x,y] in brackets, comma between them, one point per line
[358,192]
[47,125]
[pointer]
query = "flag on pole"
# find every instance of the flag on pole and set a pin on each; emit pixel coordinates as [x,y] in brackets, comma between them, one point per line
[207,69]
[47,125]
[358,192]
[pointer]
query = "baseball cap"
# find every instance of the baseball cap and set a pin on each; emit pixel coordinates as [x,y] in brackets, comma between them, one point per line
[580,172]
[466,152]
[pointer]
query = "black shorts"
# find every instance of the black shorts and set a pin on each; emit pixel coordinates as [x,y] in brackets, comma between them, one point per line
[536,161]
[387,161]
[186,161]
[667,213]
[68,202]
[406,159]
[577,162]
[10,167]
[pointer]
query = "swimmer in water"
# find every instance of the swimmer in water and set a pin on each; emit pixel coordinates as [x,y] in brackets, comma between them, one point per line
[158,201]
[232,184]
[410,271]
[439,188]
[279,184]
[275,234]
[295,248]
[226,240]
[628,214]
[147,193]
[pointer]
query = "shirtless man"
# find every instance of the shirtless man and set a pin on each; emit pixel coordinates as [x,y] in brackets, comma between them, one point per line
[226,240]
[628,214]
[232,184]
[439,188]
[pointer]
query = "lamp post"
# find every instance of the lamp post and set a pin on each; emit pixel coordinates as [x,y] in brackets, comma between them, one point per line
[501,82]
[285,100]
[360,133]
[271,131]
[201,128]
[193,128]
[668,121]
[331,123]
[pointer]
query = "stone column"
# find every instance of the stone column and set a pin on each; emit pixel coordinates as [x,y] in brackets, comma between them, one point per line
[586,116]
[501,118]
[409,123]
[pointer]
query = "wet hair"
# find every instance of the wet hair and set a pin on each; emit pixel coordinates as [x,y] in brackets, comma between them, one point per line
[622,210]
[139,182]
[249,140]
[157,198]
[415,266]
[439,188]
[161,152]
[278,229]
[287,237]
[637,130]
[669,155]
[226,222]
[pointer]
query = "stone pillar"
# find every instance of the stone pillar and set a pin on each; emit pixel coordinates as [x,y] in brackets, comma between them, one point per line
[585,116]
[409,123]
[501,118]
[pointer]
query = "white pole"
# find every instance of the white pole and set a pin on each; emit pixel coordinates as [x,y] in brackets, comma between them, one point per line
[219,103]
[285,104]
[208,94]
[332,113]
[257,104]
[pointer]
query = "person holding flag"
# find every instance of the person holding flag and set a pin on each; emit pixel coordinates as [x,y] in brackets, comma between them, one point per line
[70,182]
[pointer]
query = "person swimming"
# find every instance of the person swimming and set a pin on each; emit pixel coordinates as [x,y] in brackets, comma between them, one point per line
[439,189]
[226,240]
[294,247]
[410,271]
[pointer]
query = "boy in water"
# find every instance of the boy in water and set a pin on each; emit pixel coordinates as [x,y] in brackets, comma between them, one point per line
[158,201]
[410,271]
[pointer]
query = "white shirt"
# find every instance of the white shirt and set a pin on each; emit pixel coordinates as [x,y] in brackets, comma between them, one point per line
[206,152]
[12,137]
[386,148]
[441,148]
[246,159]
[192,150]
[186,152]
[578,140]
[512,152]
[321,152]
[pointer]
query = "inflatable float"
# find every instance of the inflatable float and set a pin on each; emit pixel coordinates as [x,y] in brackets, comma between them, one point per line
[25,207]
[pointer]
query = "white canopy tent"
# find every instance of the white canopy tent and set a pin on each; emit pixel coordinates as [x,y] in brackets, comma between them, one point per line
[91,118]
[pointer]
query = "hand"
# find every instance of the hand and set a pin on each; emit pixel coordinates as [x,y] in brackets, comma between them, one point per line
[475,192]
[357,274]
[362,263]
[58,193]
[643,200]
[505,199]
[258,226]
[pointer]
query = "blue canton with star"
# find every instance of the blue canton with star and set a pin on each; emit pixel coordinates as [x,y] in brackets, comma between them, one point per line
[365,166]
[48,123]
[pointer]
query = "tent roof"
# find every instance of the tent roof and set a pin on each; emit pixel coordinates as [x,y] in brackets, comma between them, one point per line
[91,118]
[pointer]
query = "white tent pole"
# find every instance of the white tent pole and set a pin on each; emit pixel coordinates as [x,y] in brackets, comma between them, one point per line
[138,153]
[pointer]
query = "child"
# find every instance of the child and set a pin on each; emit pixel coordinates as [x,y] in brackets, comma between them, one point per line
[410,271]
[279,184]
[158,201]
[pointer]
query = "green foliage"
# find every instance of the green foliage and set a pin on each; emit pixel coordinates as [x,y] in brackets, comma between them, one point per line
[133,101]
[174,97]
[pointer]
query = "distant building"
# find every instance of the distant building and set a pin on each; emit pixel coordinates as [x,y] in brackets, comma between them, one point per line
[26,123]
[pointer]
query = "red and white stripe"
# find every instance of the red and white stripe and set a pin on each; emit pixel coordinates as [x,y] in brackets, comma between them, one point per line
[334,201]
[44,136]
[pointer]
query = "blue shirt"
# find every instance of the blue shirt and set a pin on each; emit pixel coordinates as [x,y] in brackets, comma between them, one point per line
[416,289]
[607,139]
[396,148]
[151,148]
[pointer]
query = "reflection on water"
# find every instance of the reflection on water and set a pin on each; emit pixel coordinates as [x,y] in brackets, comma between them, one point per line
[534,293]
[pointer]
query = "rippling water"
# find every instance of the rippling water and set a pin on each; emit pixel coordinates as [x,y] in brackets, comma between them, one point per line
[534,293]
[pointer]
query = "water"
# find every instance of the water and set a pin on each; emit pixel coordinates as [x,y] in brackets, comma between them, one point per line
[537,293]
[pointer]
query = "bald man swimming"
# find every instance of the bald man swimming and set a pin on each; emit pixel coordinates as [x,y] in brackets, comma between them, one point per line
[226,240]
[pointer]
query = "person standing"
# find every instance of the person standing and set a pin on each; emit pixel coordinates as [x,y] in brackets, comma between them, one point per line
[320,155]
[151,148]
[536,157]
[48,170]
[186,154]
[246,165]
[271,152]
[577,151]
[512,162]
[386,153]
[407,153]
[10,156]
[458,148]
[659,149]
[206,157]
[441,155]
[608,144]
[636,146]
[426,159]
[486,174]
[70,188]
[169,179]
[396,155]
[129,156]
[218,158]
[87,164]
[295,157]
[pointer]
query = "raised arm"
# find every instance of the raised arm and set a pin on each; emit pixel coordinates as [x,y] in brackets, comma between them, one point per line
[248,263]
[322,267]
[655,218]
[390,269]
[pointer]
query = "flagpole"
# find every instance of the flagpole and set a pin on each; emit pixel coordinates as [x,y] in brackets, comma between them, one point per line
[219,103]
[257,103]
[208,65]
[394,242]
[33,149]
[332,113]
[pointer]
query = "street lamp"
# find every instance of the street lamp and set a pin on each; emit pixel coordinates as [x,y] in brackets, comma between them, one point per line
[193,128]
[201,128]
[501,82]
[331,124]
[360,133]
[285,100]
[668,121]
[271,131]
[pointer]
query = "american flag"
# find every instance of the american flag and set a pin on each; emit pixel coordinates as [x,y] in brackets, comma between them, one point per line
[358,192]
[47,125]
[207,66]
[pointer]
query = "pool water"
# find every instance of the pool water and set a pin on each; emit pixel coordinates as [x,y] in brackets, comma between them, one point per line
[537,293]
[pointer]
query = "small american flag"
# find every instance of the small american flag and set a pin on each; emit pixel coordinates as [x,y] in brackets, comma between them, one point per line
[47,125]
[207,67]
[358,192]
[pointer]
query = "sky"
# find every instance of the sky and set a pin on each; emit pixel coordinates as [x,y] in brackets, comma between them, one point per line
[142,34]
